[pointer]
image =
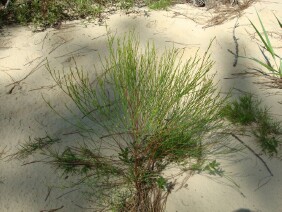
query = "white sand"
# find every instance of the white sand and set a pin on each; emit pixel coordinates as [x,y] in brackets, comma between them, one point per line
[24,114]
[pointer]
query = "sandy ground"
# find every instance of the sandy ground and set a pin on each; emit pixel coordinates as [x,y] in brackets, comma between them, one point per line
[24,80]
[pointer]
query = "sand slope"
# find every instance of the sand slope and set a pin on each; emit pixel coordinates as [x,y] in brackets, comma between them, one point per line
[23,112]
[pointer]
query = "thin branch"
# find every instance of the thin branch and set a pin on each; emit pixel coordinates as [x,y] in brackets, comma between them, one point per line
[44,87]
[113,134]
[53,210]
[67,193]
[35,161]
[31,72]
[65,41]
[251,150]
[48,193]
[259,186]
[29,63]
[236,44]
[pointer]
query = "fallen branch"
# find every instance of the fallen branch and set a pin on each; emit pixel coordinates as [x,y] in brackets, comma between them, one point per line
[35,161]
[48,193]
[44,87]
[30,73]
[236,54]
[251,150]
[67,193]
[52,210]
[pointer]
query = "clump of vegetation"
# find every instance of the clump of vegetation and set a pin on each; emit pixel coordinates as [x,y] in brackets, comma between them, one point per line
[34,145]
[159,5]
[47,13]
[247,111]
[275,69]
[143,115]
[272,62]
[243,111]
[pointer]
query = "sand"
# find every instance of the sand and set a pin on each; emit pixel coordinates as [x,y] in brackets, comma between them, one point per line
[24,114]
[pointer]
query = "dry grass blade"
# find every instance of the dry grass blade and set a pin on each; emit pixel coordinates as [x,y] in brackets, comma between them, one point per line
[224,13]
[280,24]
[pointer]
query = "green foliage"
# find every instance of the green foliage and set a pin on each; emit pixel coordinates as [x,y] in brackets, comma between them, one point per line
[268,133]
[243,111]
[161,182]
[143,114]
[276,69]
[48,12]
[126,4]
[248,111]
[159,4]
[35,145]
[213,168]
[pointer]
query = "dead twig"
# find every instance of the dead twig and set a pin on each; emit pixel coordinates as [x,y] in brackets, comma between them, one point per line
[236,54]
[65,41]
[48,193]
[16,83]
[67,193]
[70,53]
[32,61]
[35,161]
[99,36]
[259,186]
[52,210]
[43,41]
[224,13]
[251,150]
[71,133]
[43,87]
[184,44]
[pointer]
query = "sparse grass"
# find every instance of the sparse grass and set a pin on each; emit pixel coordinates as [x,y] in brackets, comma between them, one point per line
[272,62]
[142,115]
[48,13]
[243,111]
[247,111]
[35,145]
[223,11]
[159,5]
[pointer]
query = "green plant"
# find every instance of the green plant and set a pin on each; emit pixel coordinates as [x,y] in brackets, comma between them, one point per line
[268,133]
[280,24]
[159,4]
[243,111]
[247,111]
[32,146]
[49,12]
[126,4]
[142,115]
[275,69]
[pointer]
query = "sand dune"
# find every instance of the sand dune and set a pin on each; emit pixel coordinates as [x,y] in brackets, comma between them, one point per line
[23,112]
